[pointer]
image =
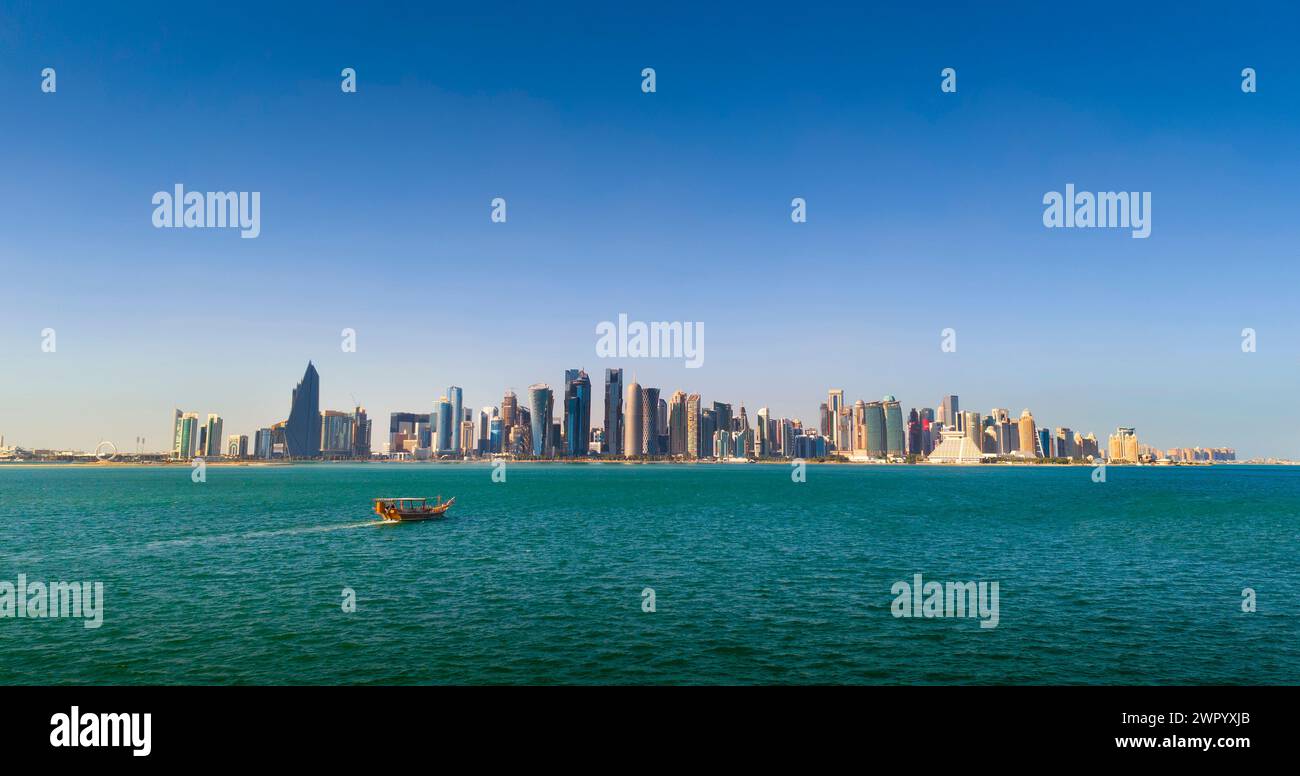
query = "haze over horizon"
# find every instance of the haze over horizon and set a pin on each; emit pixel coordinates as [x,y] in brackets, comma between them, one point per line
[924,211]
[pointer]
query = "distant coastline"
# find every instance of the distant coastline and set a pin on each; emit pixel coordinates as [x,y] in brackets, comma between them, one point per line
[183,464]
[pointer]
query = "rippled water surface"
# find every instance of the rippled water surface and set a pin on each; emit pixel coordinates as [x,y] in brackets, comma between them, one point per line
[756,578]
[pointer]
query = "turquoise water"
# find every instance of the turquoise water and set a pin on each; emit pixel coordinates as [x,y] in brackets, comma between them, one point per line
[757,579]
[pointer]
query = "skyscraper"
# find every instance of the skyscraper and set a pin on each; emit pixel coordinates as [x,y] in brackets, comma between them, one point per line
[877,445]
[407,431]
[632,431]
[721,420]
[763,434]
[214,434]
[1065,446]
[468,437]
[1005,430]
[835,405]
[457,414]
[262,441]
[1028,435]
[446,438]
[485,417]
[509,410]
[677,423]
[302,431]
[693,426]
[950,412]
[360,433]
[336,434]
[577,411]
[650,421]
[614,411]
[972,428]
[708,425]
[895,431]
[237,446]
[914,433]
[858,439]
[541,407]
[185,434]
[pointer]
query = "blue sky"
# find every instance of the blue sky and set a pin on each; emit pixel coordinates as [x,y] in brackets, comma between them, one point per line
[924,209]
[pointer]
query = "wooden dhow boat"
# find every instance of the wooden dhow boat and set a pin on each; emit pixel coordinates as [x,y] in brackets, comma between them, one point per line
[410,510]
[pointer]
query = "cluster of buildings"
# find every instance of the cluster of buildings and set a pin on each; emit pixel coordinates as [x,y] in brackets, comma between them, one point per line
[307,433]
[640,423]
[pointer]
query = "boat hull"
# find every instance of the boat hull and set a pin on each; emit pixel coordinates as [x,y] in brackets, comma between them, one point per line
[413,517]
[393,514]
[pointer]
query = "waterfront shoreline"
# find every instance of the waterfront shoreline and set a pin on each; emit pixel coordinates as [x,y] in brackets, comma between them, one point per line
[599,462]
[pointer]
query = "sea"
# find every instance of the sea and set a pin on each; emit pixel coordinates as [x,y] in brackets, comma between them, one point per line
[655,574]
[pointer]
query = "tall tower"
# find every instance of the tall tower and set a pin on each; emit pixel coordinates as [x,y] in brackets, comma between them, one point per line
[858,439]
[877,443]
[650,421]
[541,405]
[302,431]
[185,434]
[457,416]
[677,423]
[509,410]
[835,405]
[973,429]
[577,411]
[214,435]
[360,433]
[614,411]
[1028,435]
[632,420]
[693,426]
[445,420]
[894,429]
[950,409]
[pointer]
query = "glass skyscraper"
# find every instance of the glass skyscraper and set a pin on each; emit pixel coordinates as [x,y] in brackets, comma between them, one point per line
[457,415]
[337,429]
[447,431]
[541,404]
[302,432]
[262,443]
[721,416]
[650,421]
[614,411]
[185,434]
[708,427]
[494,436]
[213,435]
[677,423]
[875,420]
[950,408]
[577,411]
[895,433]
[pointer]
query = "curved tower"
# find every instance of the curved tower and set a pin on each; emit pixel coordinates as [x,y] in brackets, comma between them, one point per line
[540,407]
[302,430]
[632,438]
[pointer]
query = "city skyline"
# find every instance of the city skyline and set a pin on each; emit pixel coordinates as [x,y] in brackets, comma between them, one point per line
[924,212]
[647,425]
[310,410]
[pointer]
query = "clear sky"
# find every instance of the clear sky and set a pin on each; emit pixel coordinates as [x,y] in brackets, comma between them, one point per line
[924,209]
